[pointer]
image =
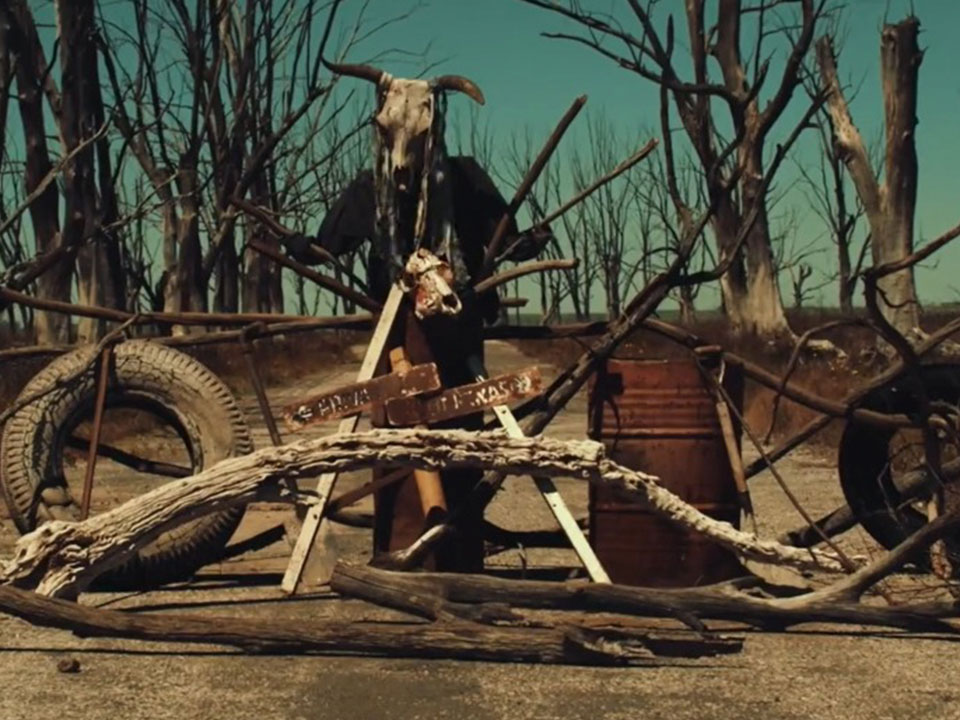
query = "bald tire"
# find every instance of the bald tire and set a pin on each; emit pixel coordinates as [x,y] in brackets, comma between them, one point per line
[146,375]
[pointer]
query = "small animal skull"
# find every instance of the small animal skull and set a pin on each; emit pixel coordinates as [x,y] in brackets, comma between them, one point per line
[430,281]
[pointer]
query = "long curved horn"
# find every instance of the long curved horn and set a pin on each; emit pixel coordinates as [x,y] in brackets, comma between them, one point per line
[364,72]
[460,84]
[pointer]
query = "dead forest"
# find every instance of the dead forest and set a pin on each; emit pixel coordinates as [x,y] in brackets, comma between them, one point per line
[178,176]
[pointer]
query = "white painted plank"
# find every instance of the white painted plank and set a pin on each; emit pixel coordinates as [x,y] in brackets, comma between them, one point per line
[557,506]
[314,529]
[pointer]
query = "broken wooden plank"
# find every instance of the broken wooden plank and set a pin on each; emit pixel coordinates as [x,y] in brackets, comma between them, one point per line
[466,399]
[361,396]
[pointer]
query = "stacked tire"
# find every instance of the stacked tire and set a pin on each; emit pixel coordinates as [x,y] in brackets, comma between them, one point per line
[146,376]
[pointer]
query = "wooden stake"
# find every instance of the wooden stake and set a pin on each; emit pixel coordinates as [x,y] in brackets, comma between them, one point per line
[736,463]
[429,486]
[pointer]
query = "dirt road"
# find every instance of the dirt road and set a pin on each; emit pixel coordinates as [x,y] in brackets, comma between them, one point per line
[814,673]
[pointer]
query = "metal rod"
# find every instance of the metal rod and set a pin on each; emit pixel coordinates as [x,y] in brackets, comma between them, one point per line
[102,383]
[257,382]
[130,460]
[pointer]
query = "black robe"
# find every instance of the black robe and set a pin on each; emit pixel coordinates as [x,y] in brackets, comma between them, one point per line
[477,209]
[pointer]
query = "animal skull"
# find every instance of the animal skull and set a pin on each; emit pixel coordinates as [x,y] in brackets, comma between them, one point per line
[405,114]
[430,280]
[403,121]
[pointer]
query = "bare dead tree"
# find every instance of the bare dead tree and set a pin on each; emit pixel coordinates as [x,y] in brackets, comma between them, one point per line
[750,293]
[616,227]
[517,158]
[670,207]
[889,206]
[825,188]
[88,183]
[34,82]
[794,256]
[331,161]
[473,136]
[571,238]
[11,249]
[227,101]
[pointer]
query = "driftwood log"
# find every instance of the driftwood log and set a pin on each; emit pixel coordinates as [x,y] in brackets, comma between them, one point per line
[62,558]
[451,639]
[483,597]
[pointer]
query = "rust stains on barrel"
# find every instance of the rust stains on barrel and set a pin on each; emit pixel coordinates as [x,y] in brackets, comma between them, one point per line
[660,417]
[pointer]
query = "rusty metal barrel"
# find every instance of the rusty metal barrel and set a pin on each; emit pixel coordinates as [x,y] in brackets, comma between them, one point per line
[660,416]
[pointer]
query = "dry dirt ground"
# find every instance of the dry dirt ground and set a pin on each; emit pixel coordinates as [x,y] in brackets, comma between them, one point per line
[816,672]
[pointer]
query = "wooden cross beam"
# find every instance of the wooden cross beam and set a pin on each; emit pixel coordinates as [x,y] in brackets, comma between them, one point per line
[362,396]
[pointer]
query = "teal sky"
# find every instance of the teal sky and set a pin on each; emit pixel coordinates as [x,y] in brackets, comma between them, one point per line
[530,80]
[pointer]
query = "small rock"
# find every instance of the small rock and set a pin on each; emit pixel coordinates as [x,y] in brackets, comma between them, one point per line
[68,665]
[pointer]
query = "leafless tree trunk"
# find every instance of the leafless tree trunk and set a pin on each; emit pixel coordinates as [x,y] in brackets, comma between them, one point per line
[826,191]
[87,208]
[33,79]
[750,293]
[889,206]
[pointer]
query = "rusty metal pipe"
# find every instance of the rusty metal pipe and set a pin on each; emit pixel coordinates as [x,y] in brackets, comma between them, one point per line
[100,401]
[246,343]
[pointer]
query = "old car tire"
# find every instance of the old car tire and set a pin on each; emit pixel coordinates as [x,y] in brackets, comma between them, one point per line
[148,376]
[863,458]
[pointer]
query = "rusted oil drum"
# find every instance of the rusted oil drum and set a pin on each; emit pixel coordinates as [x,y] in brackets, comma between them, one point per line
[660,417]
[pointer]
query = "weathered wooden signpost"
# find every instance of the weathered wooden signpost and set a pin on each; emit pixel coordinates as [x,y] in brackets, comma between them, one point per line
[436,225]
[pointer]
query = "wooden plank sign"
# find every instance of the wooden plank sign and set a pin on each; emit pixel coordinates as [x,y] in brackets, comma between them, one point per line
[465,399]
[361,396]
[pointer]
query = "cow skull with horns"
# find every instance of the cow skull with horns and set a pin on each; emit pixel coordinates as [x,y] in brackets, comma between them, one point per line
[414,205]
